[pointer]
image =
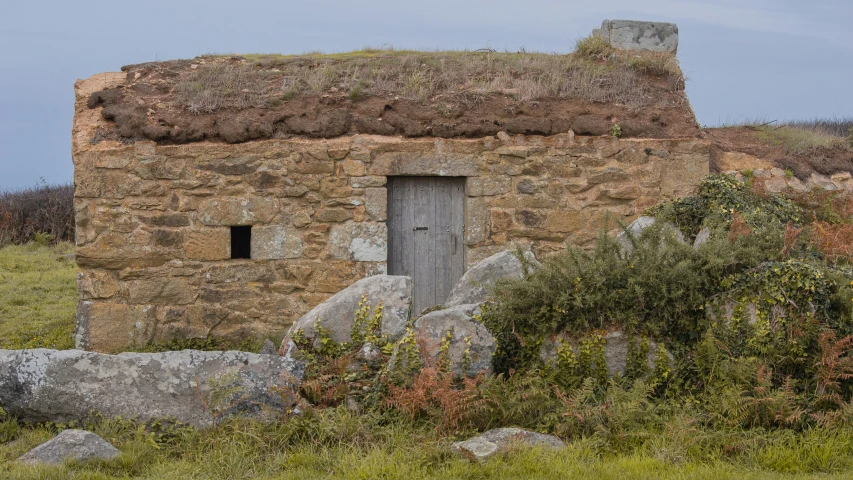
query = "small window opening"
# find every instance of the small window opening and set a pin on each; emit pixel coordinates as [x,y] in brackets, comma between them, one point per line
[241,242]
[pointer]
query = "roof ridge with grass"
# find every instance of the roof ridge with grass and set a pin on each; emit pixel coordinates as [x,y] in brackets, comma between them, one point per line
[451,94]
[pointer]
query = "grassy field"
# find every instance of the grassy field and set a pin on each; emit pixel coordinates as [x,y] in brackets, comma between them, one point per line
[38,296]
[338,444]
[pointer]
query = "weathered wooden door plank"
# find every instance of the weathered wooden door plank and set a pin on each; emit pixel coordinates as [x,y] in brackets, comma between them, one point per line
[457,233]
[426,234]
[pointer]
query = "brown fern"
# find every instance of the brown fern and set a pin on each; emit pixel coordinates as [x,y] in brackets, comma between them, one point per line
[738,228]
[327,388]
[790,238]
[835,242]
[833,366]
[435,393]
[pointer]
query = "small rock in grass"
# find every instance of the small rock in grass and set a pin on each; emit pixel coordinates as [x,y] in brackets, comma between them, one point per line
[78,445]
[498,440]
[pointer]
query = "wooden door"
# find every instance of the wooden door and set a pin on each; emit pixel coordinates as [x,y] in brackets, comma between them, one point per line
[426,227]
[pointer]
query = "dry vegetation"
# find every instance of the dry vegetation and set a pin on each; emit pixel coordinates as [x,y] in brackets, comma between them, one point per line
[40,210]
[802,138]
[459,77]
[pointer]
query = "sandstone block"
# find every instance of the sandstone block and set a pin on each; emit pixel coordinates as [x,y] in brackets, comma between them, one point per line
[238,211]
[166,220]
[362,242]
[109,327]
[439,164]
[96,284]
[608,175]
[162,291]
[159,168]
[565,221]
[110,160]
[353,168]
[737,161]
[477,220]
[117,258]
[275,242]
[681,176]
[311,165]
[208,244]
[330,215]
[376,203]
[301,219]
[168,238]
[365,182]
[230,165]
[239,272]
[500,221]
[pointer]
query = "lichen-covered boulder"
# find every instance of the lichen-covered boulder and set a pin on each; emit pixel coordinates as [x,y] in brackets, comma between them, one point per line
[77,445]
[453,337]
[337,314]
[189,386]
[473,287]
[635,229]
[498,440]
[615,347]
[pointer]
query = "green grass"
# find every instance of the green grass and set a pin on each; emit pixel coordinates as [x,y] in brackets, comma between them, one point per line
[337,444]
[38,296]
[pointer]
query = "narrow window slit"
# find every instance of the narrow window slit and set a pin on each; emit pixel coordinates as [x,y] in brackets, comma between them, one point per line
[241,242]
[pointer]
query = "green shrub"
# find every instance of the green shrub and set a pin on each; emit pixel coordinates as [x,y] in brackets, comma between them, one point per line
[718,199]
[659,288]
[663,289]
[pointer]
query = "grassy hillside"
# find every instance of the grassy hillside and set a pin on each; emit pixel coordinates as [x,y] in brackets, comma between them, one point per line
[38,296]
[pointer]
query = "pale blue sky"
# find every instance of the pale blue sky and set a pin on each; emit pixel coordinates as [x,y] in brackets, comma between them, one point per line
[774,59]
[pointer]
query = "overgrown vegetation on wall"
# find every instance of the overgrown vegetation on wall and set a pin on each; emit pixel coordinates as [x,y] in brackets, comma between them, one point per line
[44,212]
[757,318]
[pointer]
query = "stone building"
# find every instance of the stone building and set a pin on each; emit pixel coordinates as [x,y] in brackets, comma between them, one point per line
[184,235]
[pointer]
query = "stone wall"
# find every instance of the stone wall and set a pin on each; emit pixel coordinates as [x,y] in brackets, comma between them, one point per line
[153,236]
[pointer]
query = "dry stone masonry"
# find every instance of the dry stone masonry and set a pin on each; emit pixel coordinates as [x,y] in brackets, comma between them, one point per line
[241,240]
[154,239]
